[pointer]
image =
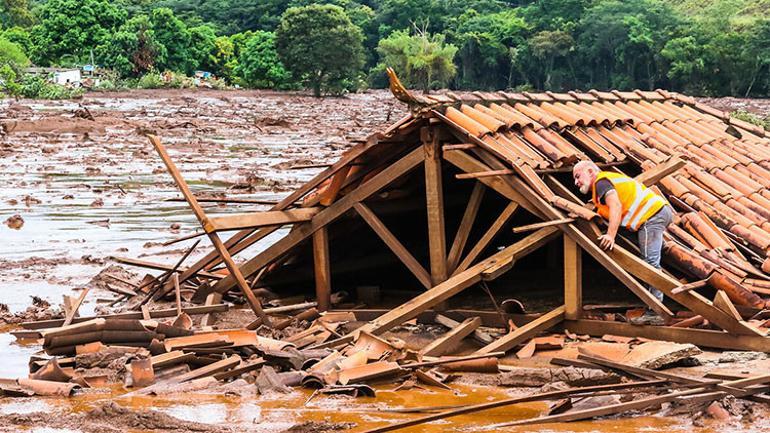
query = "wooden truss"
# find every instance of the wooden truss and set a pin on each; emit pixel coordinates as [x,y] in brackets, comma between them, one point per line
[345,187]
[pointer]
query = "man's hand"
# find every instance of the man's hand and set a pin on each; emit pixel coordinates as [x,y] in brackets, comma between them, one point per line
[607,242]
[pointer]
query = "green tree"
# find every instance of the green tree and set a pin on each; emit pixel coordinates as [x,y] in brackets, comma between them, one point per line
[73,28]
[18,36]
[12,59]
[321,45]
[15,13]
[258,63]
[173,34]
[548,46]
[421,60]
[203,47]
[133,50]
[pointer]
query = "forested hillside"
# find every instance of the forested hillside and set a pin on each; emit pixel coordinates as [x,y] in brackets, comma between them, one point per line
[703,47]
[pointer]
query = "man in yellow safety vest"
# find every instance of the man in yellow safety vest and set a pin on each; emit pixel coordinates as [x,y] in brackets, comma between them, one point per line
[626,203]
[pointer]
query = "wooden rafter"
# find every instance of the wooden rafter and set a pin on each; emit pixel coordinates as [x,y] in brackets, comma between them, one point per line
[487,237]
[450,287]
[466,224]
[259,219]
[337,209]
[235,272]
[524,333]
[394,244]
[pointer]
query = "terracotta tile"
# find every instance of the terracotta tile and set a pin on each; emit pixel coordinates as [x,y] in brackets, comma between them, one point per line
[604,96]
[561,97]
[560,111]
[539,115]
[488,121]
[473,127]
[538,97]
[626,96]
[585,97]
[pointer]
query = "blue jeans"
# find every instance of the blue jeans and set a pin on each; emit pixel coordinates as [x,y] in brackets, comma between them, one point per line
[651,240]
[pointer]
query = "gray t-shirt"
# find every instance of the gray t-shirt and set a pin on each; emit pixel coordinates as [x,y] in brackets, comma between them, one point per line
[603,186]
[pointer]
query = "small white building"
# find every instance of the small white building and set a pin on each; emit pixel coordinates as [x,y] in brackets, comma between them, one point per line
[69,77]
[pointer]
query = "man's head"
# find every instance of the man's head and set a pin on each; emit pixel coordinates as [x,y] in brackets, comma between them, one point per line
[584,174]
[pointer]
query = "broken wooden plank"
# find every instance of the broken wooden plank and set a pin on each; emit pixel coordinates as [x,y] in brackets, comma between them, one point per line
[722,302]
[654,175]
[329,195]
[394,244]
[480,336]
[157,314]
[75,307]
[451,339]
[690,286]
[535,226]
[542,396]
[161,267]
[523,333]
[699,337]
[259,219]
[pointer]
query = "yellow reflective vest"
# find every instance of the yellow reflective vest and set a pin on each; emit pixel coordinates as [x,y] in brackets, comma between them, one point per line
[639,203]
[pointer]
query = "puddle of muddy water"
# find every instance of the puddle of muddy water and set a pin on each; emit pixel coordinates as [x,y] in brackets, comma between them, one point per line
[278,412]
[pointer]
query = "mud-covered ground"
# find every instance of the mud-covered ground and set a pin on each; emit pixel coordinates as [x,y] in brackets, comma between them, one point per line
[86,184]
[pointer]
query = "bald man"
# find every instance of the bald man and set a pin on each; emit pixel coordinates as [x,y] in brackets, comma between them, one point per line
[626,203]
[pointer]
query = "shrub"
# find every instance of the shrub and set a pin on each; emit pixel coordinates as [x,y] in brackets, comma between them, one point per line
[36,87]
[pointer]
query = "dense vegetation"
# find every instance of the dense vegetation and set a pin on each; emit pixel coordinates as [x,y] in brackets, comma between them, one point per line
[705,47]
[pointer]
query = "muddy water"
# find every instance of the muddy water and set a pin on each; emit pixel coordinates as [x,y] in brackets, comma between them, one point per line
[276,413]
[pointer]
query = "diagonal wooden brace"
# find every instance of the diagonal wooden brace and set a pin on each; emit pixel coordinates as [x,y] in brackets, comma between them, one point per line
[215,240]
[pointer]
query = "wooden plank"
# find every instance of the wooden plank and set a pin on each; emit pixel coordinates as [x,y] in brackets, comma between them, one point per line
[74,307]
[329,195]
[157,314]
[466,224]
[535,226]
[208,319]
[161,267]
[245,238]
[394,244]
[341,206]
[322,269]
[260,219]
[235,272]
[542,396]
[722,302]
[690,286]
[450,340]
[524,333]
[480,336]
[448,288]
[468,164]
[177,293]
[488,236]
[434,194]
[654,175]
[479,174]
[573,279]
[699,337]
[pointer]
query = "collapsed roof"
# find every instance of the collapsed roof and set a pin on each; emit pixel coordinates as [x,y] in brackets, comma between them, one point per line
[713,169]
